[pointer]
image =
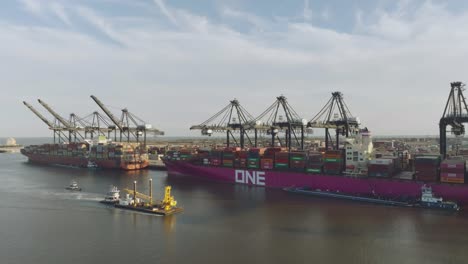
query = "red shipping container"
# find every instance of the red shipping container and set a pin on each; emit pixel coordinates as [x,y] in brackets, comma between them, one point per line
[266,164]
[452,175]
[215,162]
[332,166]
[452,166]
[243,163]
[297,164]
[242,154]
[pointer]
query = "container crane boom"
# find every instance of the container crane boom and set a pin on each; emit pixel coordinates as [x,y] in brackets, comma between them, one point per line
[107,112]
[45,120]
[57,116]
[58,131]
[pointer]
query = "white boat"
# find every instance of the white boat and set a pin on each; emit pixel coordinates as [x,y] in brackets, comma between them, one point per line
[73,186]
[112,196]
[92,165]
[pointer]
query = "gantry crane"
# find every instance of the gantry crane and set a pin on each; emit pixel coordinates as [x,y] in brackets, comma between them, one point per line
[58,131]
[280,116]
[91,124]
[335,115]
[233,117]
[71,130]
[125,124]
[455,115]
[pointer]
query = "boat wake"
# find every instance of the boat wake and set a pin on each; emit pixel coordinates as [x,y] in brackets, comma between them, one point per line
[83,196]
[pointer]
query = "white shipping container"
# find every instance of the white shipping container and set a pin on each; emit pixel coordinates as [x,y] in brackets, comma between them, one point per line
[381,161]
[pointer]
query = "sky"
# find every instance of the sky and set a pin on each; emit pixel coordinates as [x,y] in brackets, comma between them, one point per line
[175,63]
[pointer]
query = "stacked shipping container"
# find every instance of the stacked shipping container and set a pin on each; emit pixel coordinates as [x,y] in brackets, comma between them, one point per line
[253,158]
[453,171]
[427,168]
[333,162]
[281,160]
[381,168]
[228,158]
[314,163]
[216,157]
[297,161]
[268,158]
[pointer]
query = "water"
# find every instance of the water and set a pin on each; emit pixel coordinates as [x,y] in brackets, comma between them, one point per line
[40,223]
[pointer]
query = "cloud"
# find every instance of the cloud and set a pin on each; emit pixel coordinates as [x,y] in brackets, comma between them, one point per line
[307,12]
[33,6]
[395,66]
[162,6]
[325,14]
[254,20]
[60,12]
[100,23]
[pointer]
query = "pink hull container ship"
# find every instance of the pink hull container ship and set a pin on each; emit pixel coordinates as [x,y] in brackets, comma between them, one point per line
[353,170]
[335,183]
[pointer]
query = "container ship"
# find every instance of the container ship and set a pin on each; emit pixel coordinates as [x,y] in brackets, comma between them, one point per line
[353,170]
[125,156]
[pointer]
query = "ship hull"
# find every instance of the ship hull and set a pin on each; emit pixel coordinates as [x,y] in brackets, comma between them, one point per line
[57,160]
[386,187]
[119,164]
[82,162]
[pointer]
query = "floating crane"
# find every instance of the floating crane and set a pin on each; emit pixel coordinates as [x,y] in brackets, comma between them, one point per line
[124,124]
[335,115]
[280,116]
[144,203]
[233,117]
[455,114]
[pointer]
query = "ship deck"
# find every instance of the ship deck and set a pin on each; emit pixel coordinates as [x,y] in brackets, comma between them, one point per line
[149,209]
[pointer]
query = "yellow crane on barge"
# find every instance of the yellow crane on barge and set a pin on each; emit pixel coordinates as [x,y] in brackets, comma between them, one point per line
[165,207]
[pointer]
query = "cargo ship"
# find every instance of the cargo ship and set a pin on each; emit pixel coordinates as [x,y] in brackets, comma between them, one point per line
[353,170]
[125,156]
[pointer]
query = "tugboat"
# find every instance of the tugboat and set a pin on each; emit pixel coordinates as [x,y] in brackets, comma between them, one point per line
[92,165]
[429,201]
[73,187]
[112,197]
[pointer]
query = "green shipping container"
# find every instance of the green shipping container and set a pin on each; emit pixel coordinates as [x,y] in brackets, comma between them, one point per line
[297,158]
[333,160]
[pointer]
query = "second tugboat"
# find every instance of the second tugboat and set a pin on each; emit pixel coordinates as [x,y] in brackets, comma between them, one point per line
[144,203]
[73,187]
[429,201]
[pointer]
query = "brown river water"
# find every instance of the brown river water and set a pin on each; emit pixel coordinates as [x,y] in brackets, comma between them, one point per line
[42,223]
